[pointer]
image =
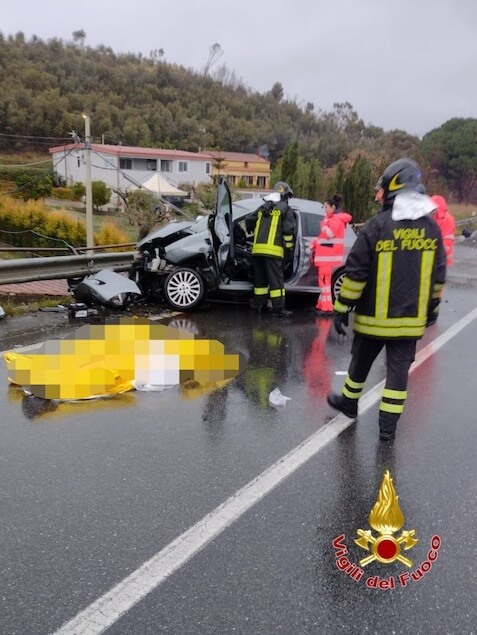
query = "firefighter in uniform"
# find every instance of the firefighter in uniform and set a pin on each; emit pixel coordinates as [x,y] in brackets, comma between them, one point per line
[273,225]
[328,251]
[395,273]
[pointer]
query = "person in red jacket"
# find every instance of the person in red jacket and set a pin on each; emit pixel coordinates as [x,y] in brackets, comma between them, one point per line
[446,223]
[328,251]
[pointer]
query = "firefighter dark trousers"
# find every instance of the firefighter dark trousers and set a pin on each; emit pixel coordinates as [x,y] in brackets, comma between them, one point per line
[268,281]
[399,357]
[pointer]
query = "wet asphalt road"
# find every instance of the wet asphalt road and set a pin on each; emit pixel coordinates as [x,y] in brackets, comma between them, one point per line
[91,491]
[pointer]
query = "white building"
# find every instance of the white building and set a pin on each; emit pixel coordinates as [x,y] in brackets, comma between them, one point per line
[121,167]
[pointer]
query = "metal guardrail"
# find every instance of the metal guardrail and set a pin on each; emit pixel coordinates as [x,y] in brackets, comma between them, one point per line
[466,221]
[459,223]
[56,268]
[57,250]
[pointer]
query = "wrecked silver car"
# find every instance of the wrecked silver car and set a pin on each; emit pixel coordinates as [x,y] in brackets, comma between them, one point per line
[184,262]
[107,288]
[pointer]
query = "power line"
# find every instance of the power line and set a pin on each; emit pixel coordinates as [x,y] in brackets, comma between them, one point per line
[137,183]
[25,185]
[20,136]
[21,165]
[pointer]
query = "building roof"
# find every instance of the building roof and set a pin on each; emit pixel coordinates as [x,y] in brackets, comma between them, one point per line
[135,152]
[237,157]
[165,154]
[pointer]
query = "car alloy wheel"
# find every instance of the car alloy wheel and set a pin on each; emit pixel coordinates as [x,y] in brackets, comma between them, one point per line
[184,289]
[337,282]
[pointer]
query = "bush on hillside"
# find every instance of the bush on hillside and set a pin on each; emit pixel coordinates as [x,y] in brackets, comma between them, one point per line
[101,193]
[79,190]
[33,187]
[110,235]
[8,173]
[18,220]
[63,193]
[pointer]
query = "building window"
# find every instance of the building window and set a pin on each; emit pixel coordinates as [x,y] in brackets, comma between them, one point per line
[261,181]
[183,166]
[245,165]
[166,166]
[152,165]
[125,164]
[207,168]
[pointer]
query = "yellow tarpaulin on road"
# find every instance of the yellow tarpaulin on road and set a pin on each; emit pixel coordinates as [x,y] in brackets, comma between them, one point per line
[112,358]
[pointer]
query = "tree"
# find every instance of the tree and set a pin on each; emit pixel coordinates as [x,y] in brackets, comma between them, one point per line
[452,150]
[218,163]
[207,195]
[337,185]
[156,54]
[215,52]
[290,164]
[357,190]
[301,179]
[79,190]
[277,91]
[79,36]
[101,194]
[33,187]
[316,182]
[344,115]
[141,206]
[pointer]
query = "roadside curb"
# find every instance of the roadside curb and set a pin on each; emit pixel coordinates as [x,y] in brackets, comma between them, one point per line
[41,287]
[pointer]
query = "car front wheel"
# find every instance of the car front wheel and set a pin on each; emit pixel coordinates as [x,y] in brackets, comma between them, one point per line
[337,282]
[184,289]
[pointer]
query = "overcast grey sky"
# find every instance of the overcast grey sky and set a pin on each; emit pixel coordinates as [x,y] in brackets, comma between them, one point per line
[407,64]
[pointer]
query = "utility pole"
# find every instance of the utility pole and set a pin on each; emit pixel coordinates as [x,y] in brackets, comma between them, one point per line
[89,191]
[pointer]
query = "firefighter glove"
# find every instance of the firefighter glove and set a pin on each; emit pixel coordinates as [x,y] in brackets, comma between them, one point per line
[433,313]
[340,320]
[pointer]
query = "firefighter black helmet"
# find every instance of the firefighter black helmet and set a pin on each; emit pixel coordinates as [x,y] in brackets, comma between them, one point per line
[403,174]
[284,189]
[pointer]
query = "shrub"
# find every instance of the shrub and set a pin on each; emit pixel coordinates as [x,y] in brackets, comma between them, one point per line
[110,235]
[192,208]
[19,219]
[101,193]
[63,193]
[10,173]
[33,187]
[79,190]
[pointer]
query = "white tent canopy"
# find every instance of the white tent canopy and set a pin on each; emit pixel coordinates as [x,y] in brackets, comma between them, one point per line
[158,184]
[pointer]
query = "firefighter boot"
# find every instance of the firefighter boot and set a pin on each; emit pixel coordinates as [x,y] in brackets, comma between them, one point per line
[387,425]
[281,313]
[347,406]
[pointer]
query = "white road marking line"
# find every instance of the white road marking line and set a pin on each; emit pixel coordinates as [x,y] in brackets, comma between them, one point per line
[107,609]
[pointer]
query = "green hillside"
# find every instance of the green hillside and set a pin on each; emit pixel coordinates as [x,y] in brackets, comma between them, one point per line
[134,100]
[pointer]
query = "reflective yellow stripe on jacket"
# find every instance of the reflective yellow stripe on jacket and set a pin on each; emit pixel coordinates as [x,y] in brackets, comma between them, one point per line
[380,324]
[268,248]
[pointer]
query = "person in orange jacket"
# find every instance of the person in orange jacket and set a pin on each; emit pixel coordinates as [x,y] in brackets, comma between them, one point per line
[328,250]
[446,223]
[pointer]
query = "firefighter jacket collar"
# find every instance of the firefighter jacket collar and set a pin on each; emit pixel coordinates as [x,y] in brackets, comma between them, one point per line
[274,197]
[412,205]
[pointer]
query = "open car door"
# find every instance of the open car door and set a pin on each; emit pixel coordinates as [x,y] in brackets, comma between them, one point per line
[222,225]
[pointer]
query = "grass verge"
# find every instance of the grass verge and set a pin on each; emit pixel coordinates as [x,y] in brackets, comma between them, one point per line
[22,304]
